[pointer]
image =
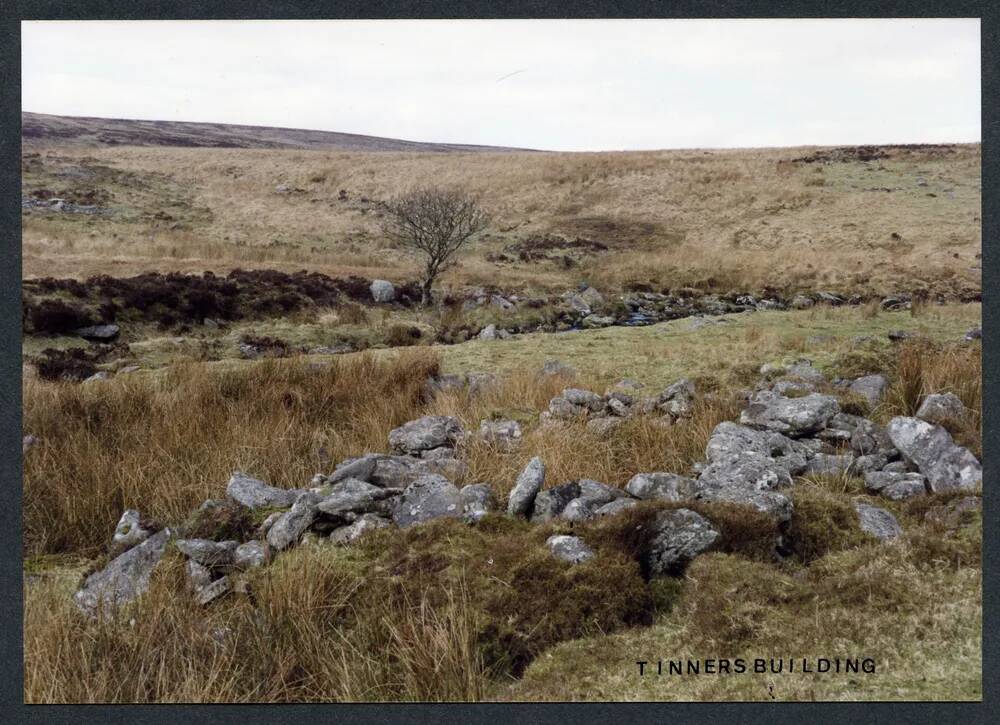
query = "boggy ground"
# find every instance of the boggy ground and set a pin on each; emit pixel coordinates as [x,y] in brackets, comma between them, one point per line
[876,220]
[444,611]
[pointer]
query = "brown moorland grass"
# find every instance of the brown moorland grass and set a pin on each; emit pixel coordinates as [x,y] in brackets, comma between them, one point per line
[722,219]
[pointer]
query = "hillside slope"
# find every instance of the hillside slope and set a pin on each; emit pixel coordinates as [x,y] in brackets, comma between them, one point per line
[84,131]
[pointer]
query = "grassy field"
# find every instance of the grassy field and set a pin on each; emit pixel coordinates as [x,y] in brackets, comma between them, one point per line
[426,601]
[739,219]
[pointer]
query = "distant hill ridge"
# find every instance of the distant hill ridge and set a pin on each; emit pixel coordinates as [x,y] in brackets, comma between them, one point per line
[85,131]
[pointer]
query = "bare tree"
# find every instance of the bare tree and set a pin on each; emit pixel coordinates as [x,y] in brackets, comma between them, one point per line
[435,223]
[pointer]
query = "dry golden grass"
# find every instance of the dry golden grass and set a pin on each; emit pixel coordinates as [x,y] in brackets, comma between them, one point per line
[726,219]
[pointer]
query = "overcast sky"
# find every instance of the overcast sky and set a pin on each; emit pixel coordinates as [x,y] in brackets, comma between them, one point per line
[560,84]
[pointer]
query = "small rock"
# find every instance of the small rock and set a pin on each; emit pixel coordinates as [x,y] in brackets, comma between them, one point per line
[129,532]
[790,416]
[679,535]
[430,431]
[214,590]
[877,521]
[98,333]
[660,486]
[930,448]
[528,484]
[382,290]
[250,555]
[505,433]
[615,507]
[477,501]
[208,553]
[291,524]
[871,387]
[255,494]
[349,534]
[677,399]
[125,578]
[28,442]
[429,497]
[942,409]
[569,548]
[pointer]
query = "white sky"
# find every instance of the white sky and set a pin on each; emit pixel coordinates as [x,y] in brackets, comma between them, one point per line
[559,84]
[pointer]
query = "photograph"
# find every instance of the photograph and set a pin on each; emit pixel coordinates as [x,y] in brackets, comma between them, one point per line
[499,360]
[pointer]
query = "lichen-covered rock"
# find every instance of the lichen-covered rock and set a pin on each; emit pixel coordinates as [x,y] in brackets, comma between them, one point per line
[750,480]
[678,536]
[877,521]
[677,399]
[383,290]
[198,576]
[870,387]
[430,431]
[361,469]
[877,481]
[349,534]
[255,494]
[429,497]
[659,485]
[345,500]
[477,501]
[615,507]
[213,590]
[789,416]
[551,502]
[208,553]
[124,578]
[569,548]
[942,409]
[946,465]
[250,555]
[290,525]
[869,437]
[584,399]
[129,531]
[529,483]
[732,440]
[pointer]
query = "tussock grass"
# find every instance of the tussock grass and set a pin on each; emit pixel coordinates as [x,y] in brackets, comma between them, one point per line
[164,443]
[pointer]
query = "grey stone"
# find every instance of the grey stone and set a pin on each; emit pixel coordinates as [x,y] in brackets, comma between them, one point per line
[897,467]
[584,398]
[793,387]
[438,454]
[930,448]
[869,437]
[429,431]
[877,481]
[350,497]
[594,322]
[870,462]
[789,416]
[250,555]
[477,501]
[569,548]
[429,497]
[198,576]
[551,502]
[98,333]
[255,494]
[29,442]
[877,521]
[382,290]
[528,484]
[129,531]
[942,409]
[615,507]
[871,387]
[677,399]
[749,479]
[208,553]
[213,590]
[488,333]
[731,441]
[801,302]
[561,409]
[678,536]
[290,525]
[125,578]
[100,375]
[661,486]
[349,534]
[361,469]
[976,333]
[904,489]
[804,370]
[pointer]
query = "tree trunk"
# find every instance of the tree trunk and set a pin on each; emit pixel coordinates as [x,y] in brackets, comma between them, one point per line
[425,292]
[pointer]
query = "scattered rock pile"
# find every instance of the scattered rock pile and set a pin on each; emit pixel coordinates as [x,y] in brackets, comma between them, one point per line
[751,463]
